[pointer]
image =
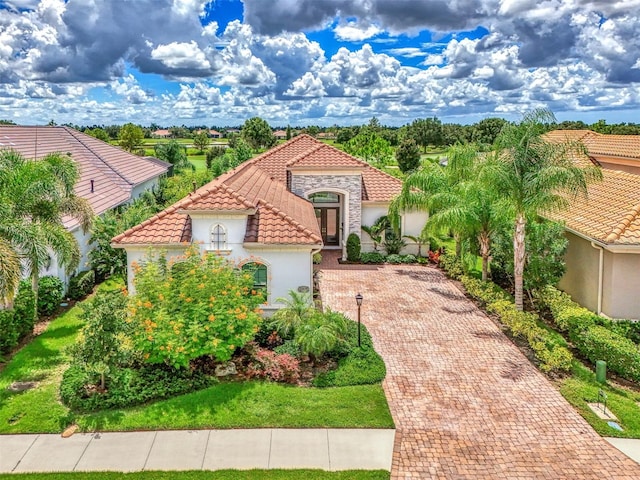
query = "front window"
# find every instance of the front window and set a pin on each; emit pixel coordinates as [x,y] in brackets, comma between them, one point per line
[218,237]
[259,272]
[324,197]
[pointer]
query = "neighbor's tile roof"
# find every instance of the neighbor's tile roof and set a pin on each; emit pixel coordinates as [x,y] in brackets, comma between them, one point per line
[598,144]
[114,172]
[611,211]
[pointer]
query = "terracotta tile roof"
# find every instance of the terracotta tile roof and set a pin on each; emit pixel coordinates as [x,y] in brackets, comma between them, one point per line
[598,144]
[305,151]
[244,188]
[260,184]
[114,172]
[610,213]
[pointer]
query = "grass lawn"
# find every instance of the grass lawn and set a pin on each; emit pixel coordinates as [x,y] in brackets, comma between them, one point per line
[207,475]
[252,405]
[581,388]
[226,405]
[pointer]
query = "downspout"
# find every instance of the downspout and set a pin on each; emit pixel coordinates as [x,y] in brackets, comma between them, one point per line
[600,275]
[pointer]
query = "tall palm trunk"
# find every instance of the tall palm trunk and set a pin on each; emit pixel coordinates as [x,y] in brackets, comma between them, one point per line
[458,241]
[485,250]
[35,281]
[518,260]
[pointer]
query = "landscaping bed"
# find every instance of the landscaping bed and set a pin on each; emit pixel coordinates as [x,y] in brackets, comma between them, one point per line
[326,380]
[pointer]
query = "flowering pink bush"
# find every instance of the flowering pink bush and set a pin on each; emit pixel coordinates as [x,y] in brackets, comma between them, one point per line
[276,367]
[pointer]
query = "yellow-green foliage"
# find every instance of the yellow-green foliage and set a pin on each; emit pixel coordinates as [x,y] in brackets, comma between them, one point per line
[552,355]
[202,305]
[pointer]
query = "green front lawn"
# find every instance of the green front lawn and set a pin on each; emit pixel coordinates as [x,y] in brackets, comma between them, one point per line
[226,405]
[581,388]
[252,405]
[208,475]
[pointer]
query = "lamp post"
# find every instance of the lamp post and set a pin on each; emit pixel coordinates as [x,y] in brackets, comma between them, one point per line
[359,302]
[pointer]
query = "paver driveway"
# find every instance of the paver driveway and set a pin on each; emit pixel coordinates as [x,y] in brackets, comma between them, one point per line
[466,402]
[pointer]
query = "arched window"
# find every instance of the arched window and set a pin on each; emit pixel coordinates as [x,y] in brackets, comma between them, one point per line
[259,272]
[218,237]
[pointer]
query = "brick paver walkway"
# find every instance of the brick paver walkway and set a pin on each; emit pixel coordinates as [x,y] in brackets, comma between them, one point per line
[467,404]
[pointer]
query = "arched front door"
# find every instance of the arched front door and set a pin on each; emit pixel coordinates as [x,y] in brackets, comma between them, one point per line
[327,208]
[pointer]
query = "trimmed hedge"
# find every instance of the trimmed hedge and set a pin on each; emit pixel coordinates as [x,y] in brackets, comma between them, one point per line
[81,284]
[353,247]
[552,354]
[595,337]
[16,323]
[452,265]
[50,291]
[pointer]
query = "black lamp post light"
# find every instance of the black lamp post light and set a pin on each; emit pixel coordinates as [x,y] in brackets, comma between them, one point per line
[359,302]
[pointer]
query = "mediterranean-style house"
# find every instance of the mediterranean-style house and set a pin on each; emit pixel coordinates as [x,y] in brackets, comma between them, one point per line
[109,176]
[603,255]
[275,211]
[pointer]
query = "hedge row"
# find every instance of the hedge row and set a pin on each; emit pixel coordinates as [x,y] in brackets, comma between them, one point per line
[553,355]
[594,336]
[17,322]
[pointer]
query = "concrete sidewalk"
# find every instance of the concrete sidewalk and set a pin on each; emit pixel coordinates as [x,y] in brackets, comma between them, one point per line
[326,449]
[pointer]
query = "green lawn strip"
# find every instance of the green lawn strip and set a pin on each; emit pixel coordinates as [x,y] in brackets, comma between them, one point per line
[208,475]
[43,360]
[252,405]
[581,388]
[199,161]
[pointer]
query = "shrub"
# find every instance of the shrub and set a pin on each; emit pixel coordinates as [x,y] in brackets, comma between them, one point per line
[595,337]
[452,265]
[214,152]
[372,257]
[23,307]
[409,259]
[620,353]
[393,245]
[353,247]
[362,366]
[317,258]
[394,258]
[289,347]
[10,332]
[321,332]
[208,307]
[434,257]
[50,291]
[552,355]
[82,284]
[273,366]
[104,343]
[128,386]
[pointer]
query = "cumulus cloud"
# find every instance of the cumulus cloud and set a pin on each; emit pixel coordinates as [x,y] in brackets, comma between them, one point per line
[570,55]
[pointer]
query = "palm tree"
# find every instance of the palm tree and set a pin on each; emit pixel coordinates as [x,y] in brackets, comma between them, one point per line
[475,212]
[35,196]
[433,187]
[534,176]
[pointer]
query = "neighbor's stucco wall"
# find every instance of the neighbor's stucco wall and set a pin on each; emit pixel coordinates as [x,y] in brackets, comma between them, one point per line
[142,187]
[581,277]
[621,297]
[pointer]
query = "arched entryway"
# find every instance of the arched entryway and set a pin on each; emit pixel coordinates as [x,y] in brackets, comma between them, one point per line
[329,213]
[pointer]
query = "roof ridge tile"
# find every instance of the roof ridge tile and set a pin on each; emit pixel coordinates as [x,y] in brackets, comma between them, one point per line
[627,220]
[298,226]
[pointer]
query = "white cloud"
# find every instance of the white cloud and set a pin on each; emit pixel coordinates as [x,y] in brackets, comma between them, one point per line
[354,32]
[181,55]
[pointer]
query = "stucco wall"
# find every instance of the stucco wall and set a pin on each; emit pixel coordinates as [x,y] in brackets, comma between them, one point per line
[371,213]
[141,188]
[581,277]
[288,268]
[621,296]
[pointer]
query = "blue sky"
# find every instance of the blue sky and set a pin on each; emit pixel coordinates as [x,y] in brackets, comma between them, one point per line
[320,62]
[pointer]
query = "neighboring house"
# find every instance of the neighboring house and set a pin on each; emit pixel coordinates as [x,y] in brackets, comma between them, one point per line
[215,134]
[280,134]
[109,176]
[275,211]
[161,134]
[603,256]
